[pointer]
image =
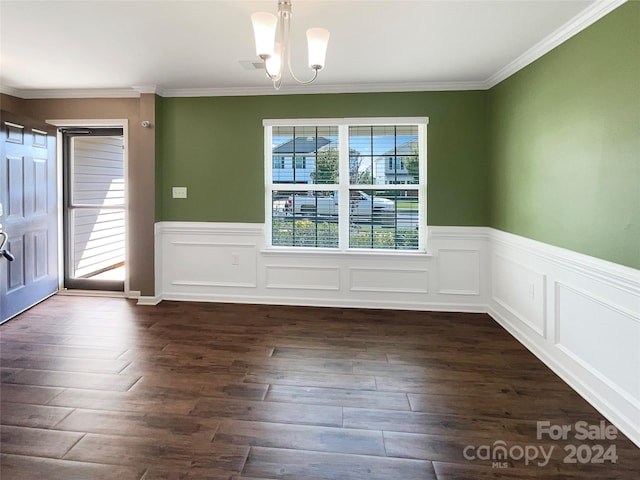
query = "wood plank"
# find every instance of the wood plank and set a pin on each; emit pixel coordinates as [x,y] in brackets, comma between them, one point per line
[316,379]
[321,343]
[28,394]
[328,353]
[285,464]
[174,364]
[131,401]
[203,384]
[275,412]
[91,381]
[64,364]
[301,437]
[437,424]
[455,385]
[138,424]
[429,447]
[7,373]
[19,467]
[26,415]
[500,405]
[232,347]
[21,348]
[32,338]
[338,397]
[37,441]
[303,365]
[452,449]
[174,451]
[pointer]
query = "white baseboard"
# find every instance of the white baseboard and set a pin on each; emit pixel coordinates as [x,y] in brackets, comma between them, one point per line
[315,302]
[580,315]
[146,300]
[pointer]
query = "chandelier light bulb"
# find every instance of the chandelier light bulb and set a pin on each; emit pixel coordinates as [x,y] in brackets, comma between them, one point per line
[264,30]
[273,64]
[317,40]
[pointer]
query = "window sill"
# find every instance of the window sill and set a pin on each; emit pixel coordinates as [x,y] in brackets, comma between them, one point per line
[286,251]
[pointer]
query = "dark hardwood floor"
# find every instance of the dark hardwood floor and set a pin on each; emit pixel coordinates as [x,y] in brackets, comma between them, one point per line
[98,388]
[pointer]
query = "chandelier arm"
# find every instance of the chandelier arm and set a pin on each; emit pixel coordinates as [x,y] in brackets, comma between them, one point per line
[293,75]
[303,82]
[269,76]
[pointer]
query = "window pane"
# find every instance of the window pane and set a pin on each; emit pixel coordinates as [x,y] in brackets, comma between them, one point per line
[98,171]
[384,155]
[382,219]
[360,168]
[310,155]
[304,219]
[98,240]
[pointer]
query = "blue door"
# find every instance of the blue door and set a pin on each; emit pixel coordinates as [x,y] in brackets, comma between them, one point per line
[28,199]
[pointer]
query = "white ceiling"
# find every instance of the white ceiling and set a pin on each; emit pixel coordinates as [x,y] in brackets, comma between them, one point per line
[187,47]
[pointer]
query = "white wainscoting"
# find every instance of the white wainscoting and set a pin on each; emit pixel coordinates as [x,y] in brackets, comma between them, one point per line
[226,262]
[578,314]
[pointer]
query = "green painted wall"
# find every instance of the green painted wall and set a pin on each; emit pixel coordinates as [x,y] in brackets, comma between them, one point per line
[565,143]
[214,146]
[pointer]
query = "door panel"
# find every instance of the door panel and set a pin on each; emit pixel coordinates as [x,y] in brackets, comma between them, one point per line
[28,197]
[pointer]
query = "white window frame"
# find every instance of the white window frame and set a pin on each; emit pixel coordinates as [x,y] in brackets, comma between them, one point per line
[343,125]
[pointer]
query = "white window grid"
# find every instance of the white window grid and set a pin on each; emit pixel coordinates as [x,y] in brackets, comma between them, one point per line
[344,185]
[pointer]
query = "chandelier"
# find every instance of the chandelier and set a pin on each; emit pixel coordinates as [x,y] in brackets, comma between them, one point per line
[272,50]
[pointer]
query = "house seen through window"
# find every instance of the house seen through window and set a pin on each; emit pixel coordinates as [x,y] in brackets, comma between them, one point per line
[346,184]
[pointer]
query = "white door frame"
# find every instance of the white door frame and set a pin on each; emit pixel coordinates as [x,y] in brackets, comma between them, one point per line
[92,123]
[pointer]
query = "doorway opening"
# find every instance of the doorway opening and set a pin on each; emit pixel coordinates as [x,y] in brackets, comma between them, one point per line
[94,198]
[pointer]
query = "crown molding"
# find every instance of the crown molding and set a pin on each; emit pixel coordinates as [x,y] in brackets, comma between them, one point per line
[267,89]
[152,89]
[72,93]
[584,19]
[10,91]
[319,88]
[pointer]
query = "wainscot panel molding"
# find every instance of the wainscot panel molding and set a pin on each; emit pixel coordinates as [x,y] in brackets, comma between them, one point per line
[580,315]
[389,280]
[229,262]
[303,277]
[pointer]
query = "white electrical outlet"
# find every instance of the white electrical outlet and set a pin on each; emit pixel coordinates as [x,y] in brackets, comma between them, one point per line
[179,192]
[235,259]
[531,291]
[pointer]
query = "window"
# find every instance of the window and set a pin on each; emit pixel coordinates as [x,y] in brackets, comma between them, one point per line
[301,162]
[347,184]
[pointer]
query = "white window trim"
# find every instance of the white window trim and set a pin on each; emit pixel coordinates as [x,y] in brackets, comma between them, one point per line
[343,125]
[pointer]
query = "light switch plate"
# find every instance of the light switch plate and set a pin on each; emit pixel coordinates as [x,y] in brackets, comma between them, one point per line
[179,192]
